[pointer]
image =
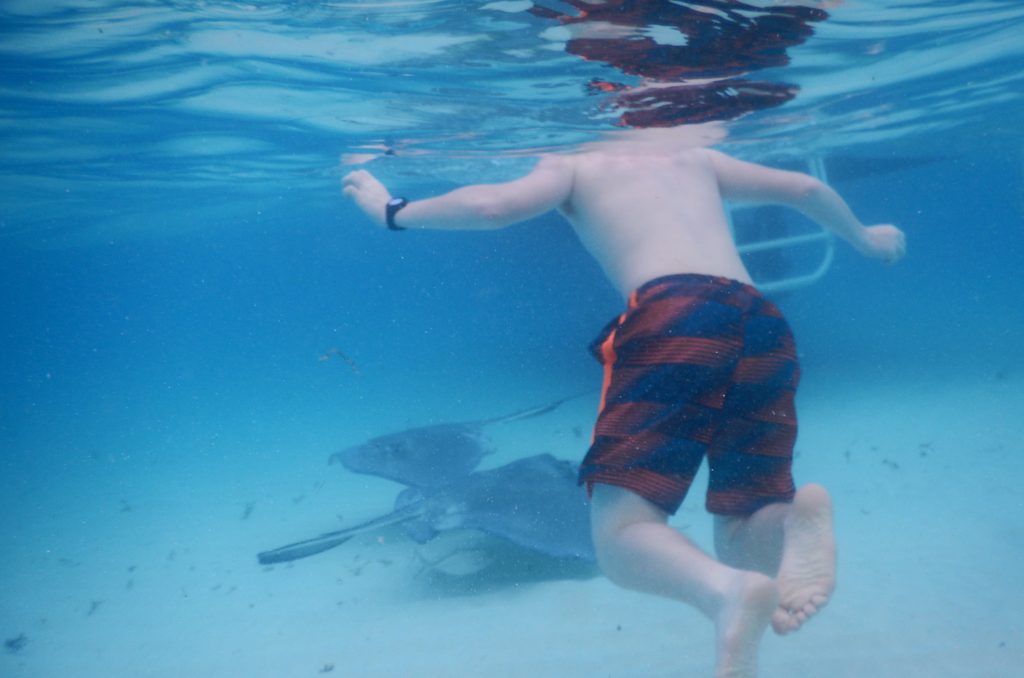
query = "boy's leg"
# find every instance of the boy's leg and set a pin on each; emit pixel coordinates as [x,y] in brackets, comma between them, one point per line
[796,541]
[637,549]
[752,542]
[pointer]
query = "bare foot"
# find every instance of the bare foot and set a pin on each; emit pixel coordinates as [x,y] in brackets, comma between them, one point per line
[743,618]
[807,575]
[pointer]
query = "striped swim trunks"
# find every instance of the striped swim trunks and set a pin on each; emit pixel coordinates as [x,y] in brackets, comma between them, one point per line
[698,366]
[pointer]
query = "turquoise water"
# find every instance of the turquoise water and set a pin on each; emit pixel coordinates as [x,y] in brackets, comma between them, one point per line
[176,259]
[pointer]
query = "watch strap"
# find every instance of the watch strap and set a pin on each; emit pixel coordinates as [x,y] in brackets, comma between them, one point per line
[393,207]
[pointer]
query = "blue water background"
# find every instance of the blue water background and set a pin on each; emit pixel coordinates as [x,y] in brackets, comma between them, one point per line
[166,304]
[123,343]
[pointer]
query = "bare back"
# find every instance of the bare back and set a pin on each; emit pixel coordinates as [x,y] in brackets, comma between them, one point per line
[643,207]
[647,215]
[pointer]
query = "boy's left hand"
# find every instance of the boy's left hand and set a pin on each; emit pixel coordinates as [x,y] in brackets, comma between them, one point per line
[368,193]
[885,242]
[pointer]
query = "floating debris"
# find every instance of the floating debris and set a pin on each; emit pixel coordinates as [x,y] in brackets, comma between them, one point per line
[16,644]
[338,353]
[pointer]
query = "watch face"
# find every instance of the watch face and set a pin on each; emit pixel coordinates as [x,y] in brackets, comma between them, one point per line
[395,202]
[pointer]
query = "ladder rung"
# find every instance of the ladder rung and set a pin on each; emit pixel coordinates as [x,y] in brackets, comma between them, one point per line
[816,167]
[789,241]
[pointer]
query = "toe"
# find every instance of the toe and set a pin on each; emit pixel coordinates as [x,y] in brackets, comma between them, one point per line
[783,622]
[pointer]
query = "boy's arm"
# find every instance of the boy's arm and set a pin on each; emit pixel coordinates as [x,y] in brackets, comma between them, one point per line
[744,181]
[482,206]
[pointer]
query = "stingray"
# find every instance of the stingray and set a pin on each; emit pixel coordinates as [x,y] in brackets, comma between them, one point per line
[533,502]
[429,456]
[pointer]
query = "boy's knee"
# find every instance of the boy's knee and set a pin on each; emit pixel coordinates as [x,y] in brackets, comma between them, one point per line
[613,511]
[613,508]
[613,549]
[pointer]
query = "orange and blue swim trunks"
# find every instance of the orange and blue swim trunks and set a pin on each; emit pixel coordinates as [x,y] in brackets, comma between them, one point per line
[697,366]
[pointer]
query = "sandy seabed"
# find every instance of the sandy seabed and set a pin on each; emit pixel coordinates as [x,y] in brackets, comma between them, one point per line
[162,581]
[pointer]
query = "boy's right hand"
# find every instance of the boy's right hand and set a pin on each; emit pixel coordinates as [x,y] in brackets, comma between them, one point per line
[884,242]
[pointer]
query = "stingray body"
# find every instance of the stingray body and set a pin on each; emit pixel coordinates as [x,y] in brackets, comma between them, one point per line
[533,502]
[429,456]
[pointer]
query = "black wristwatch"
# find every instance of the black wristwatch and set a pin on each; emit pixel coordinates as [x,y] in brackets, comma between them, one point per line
[393,207]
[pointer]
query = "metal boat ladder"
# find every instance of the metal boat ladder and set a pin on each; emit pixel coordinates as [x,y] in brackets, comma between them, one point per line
[797,238]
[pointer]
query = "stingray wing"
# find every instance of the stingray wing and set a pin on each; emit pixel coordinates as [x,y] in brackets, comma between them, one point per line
[533,502]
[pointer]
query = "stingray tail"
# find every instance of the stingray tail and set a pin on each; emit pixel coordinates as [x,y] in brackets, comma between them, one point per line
[328,540]
[531,412]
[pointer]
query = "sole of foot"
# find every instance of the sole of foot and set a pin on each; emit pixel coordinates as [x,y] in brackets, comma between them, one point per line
[807,575]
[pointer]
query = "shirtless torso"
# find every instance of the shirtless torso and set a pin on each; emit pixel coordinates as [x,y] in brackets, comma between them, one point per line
[645,217]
